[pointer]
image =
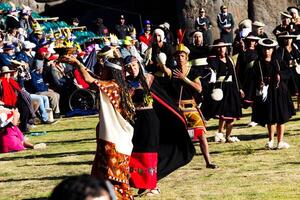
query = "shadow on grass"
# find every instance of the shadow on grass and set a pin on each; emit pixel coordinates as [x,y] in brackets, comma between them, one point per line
[61,163]
[36,179]
[292,163]
[244,137]
[238,126]
[51,155]
[38,198]
[71,141]
[71,130]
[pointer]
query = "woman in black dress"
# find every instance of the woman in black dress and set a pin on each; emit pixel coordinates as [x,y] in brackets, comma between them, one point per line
[144,157]
[228,108]
[288,56]
[273,105]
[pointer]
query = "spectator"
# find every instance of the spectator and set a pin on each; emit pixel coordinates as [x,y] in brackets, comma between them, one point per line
[203,24]
[40,87]
[225,23]
[11,138]
[145,37]
[12,20]
[83,187]
[99,28]
[122,29]
[7,55]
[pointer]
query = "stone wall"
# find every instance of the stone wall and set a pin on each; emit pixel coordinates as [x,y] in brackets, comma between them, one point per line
[266,11]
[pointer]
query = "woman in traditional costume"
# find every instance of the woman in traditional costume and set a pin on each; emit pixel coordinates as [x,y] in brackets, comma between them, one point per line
[144,157]
[273,105]
[114,131]
[227,105]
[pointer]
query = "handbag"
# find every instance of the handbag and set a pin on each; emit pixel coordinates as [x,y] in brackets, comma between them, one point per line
[217,94]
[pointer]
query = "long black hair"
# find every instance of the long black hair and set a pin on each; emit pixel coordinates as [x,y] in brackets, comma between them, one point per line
[128,109]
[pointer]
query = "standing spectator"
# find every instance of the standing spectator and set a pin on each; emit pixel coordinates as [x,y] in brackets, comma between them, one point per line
[122,29]
[99,28]
[226,24]
[203,24]
[75,22]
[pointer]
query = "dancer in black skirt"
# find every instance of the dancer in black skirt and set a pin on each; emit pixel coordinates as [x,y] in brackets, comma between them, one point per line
[143,161]
[244,65]
[288,55]
[227,108]
[273,105]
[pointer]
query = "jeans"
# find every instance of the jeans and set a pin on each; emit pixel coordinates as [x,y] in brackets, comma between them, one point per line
[44,104]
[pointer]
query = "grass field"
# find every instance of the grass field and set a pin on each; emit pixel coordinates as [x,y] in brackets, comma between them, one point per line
[247,170]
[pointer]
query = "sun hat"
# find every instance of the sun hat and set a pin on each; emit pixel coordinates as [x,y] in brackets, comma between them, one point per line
[28,45]
[5,70]
[258,24]
[220,43]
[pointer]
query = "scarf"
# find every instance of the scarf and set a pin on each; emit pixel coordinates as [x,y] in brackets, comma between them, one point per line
[9,91]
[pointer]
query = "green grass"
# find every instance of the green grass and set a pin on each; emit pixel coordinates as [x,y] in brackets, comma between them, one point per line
[247,170]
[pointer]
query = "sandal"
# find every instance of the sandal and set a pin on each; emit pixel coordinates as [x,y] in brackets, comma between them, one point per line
[153,192]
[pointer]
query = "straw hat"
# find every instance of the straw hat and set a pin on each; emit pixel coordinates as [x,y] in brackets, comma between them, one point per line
[5,70]
[258,24]
[220,43]
[285,15]
[286,35]
[252,37]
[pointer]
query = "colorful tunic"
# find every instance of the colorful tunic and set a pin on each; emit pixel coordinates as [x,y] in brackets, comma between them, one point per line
[114,144]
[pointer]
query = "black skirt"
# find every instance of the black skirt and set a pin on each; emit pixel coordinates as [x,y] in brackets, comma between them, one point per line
[278,107]
[228,108]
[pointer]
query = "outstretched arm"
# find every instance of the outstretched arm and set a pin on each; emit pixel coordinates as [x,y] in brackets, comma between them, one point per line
[76,63]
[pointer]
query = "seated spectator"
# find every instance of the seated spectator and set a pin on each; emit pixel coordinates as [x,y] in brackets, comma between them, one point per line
[7,55]
[13,96]
[83,187]
[11,138]
[41,88]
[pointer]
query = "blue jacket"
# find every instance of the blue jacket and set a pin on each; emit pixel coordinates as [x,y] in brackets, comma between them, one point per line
[37,81]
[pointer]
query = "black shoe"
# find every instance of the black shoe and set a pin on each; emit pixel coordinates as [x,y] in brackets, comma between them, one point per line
[49,122]
[212,166]
[56,115]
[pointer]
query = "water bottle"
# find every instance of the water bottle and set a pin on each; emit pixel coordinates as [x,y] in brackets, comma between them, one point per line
[38,133]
